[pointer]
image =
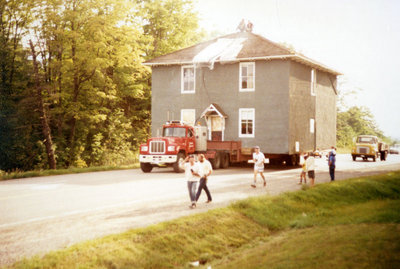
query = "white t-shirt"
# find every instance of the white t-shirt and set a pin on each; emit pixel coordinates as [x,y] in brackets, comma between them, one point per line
[259,160]
[204,168]
[188,173]
[310,164]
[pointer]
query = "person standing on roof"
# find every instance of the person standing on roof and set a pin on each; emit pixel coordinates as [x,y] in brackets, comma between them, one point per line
[258,158]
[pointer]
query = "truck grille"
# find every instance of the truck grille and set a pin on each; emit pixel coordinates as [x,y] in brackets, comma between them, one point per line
[363,150]
[157,147]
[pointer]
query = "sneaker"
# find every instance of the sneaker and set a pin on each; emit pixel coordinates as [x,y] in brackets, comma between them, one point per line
[253,185]
[209,201]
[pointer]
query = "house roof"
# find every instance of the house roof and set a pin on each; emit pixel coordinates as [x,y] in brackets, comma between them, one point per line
[214,109]
[236,47]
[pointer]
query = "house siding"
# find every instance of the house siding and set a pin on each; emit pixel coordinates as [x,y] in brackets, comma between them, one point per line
[304,106]
[221,86]
[326,111]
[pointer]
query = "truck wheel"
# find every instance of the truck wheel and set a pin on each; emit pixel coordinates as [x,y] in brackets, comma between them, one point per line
[225,161]
[216,162]
[181,157]
[146,167]
[354,157]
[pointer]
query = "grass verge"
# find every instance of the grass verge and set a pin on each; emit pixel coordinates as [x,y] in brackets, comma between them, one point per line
[347,224]
[73,170]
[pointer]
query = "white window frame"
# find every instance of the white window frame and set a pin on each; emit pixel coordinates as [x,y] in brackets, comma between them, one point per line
[189,110]
[313,84]
[312,126]
[183,81]
[240,76]
[253,111]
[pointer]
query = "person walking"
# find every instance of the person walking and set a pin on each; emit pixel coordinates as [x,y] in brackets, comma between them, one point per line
[303,171]
[205,171]
[191,174]
[258,158]
[332,163]
[310,166]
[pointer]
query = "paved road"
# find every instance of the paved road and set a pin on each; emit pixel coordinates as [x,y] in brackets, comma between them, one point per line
[47,213]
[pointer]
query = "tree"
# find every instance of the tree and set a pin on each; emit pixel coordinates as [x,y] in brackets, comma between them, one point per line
[83,97]
[171,24]
[355,121]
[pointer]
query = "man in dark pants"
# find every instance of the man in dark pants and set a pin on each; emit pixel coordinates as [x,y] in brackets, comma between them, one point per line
[332,163]
[205,170]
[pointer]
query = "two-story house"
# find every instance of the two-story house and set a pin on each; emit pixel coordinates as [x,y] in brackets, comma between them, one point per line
[245,87]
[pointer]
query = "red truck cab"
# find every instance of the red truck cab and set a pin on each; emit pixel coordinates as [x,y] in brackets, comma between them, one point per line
[177,141]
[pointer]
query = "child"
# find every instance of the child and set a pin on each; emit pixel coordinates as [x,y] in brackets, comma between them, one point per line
[303,171]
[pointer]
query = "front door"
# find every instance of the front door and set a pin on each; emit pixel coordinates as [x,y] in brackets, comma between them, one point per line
[216,128]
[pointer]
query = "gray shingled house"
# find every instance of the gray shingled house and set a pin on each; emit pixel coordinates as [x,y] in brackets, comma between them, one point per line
[245,87]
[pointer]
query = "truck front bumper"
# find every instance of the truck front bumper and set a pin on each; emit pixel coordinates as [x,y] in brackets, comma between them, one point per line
[157,159]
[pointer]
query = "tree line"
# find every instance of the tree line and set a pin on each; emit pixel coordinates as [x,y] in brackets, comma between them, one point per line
[74,91]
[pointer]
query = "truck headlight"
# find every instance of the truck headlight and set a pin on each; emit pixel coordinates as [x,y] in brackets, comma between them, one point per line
[171,148]
[144,148]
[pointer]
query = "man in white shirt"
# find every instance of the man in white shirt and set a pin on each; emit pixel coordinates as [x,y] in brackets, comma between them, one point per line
[191,173]
[310,166]
[258,158]
[205,170]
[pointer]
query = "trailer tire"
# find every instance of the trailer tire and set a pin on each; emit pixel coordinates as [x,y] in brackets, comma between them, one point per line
[225,161]
[146,167]
[177,169]
[291,160]
[216,161]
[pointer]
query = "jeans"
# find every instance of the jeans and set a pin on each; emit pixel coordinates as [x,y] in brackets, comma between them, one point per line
[332,172]
[192,186]
[203,185]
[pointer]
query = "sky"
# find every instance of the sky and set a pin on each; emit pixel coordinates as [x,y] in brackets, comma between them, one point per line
[358,38]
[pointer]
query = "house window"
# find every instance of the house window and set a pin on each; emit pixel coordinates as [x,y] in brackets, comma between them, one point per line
[246,77]
[188,79]
[312,126]
[313,81]
[188,116]
[246,122]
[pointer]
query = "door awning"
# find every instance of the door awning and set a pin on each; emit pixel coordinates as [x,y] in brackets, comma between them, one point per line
[213,110]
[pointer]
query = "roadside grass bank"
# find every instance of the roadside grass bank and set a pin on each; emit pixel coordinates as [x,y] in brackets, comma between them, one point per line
[347,224]
[72,170]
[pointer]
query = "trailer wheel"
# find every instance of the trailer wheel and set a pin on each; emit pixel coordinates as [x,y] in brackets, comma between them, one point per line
[146,167]
[354,157]
[225,161]
[291,160]
[374,158]
[216,162]
[177,169]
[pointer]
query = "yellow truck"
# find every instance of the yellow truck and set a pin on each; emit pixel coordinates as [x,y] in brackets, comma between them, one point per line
[369,146]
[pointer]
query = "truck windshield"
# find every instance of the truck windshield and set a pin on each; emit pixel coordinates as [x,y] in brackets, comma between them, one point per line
[174,132]
[368,140]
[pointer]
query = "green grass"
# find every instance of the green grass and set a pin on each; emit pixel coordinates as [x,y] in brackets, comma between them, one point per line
[347,224]
[73,170]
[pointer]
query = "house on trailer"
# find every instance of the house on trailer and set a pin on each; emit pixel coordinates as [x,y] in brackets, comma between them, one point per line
[245,87]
